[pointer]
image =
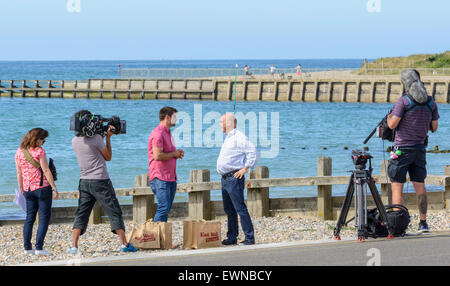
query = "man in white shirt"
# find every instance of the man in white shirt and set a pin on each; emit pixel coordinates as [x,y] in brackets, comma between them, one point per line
[237,155]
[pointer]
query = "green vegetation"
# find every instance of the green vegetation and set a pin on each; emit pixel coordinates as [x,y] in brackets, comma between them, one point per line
[435,62]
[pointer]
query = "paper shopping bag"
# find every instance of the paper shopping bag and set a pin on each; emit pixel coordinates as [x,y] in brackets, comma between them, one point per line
[165,233]
[201,234]
[146,236]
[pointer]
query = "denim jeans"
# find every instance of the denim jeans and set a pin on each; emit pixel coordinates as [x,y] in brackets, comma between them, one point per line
[165,194]
[233,204]
[40,201]
[101,191]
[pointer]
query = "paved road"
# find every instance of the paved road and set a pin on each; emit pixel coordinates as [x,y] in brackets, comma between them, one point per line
[425,249]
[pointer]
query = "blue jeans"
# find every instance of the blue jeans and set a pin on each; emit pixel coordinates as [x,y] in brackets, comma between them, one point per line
[233,204]
[165,194]
[38,200]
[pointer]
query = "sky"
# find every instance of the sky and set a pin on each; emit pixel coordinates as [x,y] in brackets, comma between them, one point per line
[227,29]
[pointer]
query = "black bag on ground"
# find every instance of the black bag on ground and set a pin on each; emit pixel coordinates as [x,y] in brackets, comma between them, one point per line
[398,219]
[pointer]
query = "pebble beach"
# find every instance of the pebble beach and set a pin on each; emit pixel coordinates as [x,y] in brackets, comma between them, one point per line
[99,241]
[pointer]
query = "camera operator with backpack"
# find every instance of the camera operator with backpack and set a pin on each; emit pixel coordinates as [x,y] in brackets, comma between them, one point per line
[414,114]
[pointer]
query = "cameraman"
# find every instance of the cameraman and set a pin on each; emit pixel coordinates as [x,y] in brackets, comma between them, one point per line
[95,185]
[414,114]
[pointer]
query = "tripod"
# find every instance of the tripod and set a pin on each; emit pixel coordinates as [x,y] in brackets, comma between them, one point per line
[360,179]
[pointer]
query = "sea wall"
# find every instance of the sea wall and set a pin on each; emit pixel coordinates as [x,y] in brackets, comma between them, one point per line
[244,89]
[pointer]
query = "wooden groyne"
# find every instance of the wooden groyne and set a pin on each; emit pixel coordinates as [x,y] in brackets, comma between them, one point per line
[259,203]
[247,89]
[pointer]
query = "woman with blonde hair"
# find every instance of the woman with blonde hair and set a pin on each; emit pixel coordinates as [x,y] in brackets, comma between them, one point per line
[36,183]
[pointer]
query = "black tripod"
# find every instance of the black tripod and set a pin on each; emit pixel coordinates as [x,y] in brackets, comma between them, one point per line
[359,180]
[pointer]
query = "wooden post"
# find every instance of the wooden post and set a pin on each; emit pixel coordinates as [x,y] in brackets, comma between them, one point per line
[387,92]
[96,214]
[62,89]
[447,188]
[88,88]
[275,91]
[290,91]
[215,91]
[101,88]
[344,92]
[144,207]
[374,91]
[358,91]
[324,193]
[245,90]
[316,90]
[24,85]
[230,90]
[330,91]
[258,198]
[129,89]
[75,89]
[386,196]
[260,90]
[303,91]
[447,92]
[199,202]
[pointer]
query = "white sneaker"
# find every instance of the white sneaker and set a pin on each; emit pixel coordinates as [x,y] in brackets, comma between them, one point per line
[42,252]
[29,252]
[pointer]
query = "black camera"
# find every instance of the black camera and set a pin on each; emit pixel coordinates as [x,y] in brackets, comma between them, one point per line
[360,159]
[90,124]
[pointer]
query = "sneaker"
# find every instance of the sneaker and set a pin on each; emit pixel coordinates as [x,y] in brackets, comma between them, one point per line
[29,252]
[423,227]
[229,241]
[42,252]
[73,250]
[129,248]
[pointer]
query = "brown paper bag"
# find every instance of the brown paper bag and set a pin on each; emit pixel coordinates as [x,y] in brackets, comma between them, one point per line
[146,236]
[165,233]
[201,234]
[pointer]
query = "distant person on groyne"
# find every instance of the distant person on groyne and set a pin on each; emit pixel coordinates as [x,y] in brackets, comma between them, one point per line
[36,183]
[414,114]
[247,70]
[162,156]
[272,70]
[95,185]
[237,155]
[299,70]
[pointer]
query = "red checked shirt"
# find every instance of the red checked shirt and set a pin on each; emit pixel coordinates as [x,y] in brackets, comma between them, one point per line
[30,174]
[163,170]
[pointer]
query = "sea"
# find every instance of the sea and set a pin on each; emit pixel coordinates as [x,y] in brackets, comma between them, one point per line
[295,136]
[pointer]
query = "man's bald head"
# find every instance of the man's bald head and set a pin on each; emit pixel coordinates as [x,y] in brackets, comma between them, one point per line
[228,122]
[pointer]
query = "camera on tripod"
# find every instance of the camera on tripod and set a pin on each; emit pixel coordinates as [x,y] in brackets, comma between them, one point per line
[360,159]
[90,124]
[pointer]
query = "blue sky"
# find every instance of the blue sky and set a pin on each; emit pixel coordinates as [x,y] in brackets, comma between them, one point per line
[231,29]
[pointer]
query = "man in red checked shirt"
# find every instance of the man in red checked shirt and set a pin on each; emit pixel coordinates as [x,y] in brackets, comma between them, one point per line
[163,156]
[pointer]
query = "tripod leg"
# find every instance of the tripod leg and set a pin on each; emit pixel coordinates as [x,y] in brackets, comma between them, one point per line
[361,210]
[345,209]
[380,206]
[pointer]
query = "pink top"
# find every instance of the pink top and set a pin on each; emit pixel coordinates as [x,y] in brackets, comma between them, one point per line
[163,170]
[31,175]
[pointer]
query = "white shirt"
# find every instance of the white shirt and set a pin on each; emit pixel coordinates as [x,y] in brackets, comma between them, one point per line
[236,153]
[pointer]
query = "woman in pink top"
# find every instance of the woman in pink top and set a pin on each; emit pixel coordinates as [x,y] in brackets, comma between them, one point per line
[36,186]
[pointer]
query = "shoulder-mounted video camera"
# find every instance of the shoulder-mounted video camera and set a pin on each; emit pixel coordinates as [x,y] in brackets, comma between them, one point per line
[90,124]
